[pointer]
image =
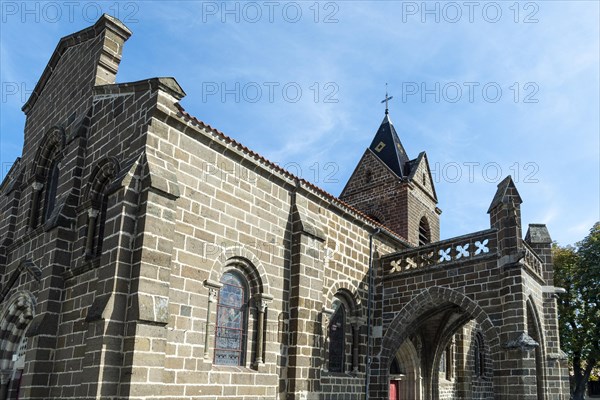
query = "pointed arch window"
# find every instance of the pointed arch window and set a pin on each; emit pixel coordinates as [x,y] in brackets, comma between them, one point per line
[232,315]
[424,232]
[337,338]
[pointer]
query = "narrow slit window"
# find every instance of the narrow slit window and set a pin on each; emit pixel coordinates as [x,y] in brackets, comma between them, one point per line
[479,356]
[51,189]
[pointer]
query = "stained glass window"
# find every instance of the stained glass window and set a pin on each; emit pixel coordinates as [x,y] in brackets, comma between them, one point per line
[230,335]
[337,342]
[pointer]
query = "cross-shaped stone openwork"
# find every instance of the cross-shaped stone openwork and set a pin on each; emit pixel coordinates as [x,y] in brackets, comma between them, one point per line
[387,98]
[444,254]
[462,251]
[482,247]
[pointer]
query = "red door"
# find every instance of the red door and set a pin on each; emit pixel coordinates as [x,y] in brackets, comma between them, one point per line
[394,390]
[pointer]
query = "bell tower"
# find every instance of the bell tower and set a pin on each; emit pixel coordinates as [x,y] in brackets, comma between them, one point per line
[393,189]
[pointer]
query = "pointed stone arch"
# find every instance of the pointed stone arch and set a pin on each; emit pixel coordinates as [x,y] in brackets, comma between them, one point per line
[409,363]
[426,300]
[15,318]
[405,324]
[535,331]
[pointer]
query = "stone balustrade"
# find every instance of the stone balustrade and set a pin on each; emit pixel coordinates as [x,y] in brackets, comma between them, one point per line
[459,249]
[532,261]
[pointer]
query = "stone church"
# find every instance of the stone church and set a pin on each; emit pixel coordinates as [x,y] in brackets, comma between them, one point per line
[146,255]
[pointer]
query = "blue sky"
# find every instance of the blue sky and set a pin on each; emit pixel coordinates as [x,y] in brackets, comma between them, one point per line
[487,89]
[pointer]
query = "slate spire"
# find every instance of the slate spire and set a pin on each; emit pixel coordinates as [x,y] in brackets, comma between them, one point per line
[387,146]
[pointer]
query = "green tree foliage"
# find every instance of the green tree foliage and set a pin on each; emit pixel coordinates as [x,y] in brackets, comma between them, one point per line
[577,270]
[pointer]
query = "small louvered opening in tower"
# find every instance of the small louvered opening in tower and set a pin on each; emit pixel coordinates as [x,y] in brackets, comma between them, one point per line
[424,232]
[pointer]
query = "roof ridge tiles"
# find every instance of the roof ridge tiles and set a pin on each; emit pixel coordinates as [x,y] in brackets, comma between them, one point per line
[278,168]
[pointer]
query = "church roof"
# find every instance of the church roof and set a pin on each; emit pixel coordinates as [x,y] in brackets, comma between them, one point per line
[285,172]
[388,148]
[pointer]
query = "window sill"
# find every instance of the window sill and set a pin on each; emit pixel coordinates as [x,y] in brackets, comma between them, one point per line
[233,368]
[87,265]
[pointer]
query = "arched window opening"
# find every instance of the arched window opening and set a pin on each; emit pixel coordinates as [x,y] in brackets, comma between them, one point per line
[337,337]
[479,356]
[446,364]
[442,367]
[374,218]
[96,222]
[98,198]
[424,232]
[231,328]
[51,189]
[45,176]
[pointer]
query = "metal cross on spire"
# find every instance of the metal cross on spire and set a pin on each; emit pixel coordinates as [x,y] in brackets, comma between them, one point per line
[387,98]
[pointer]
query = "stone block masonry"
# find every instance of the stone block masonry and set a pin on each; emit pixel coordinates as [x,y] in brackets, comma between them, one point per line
[146,255]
